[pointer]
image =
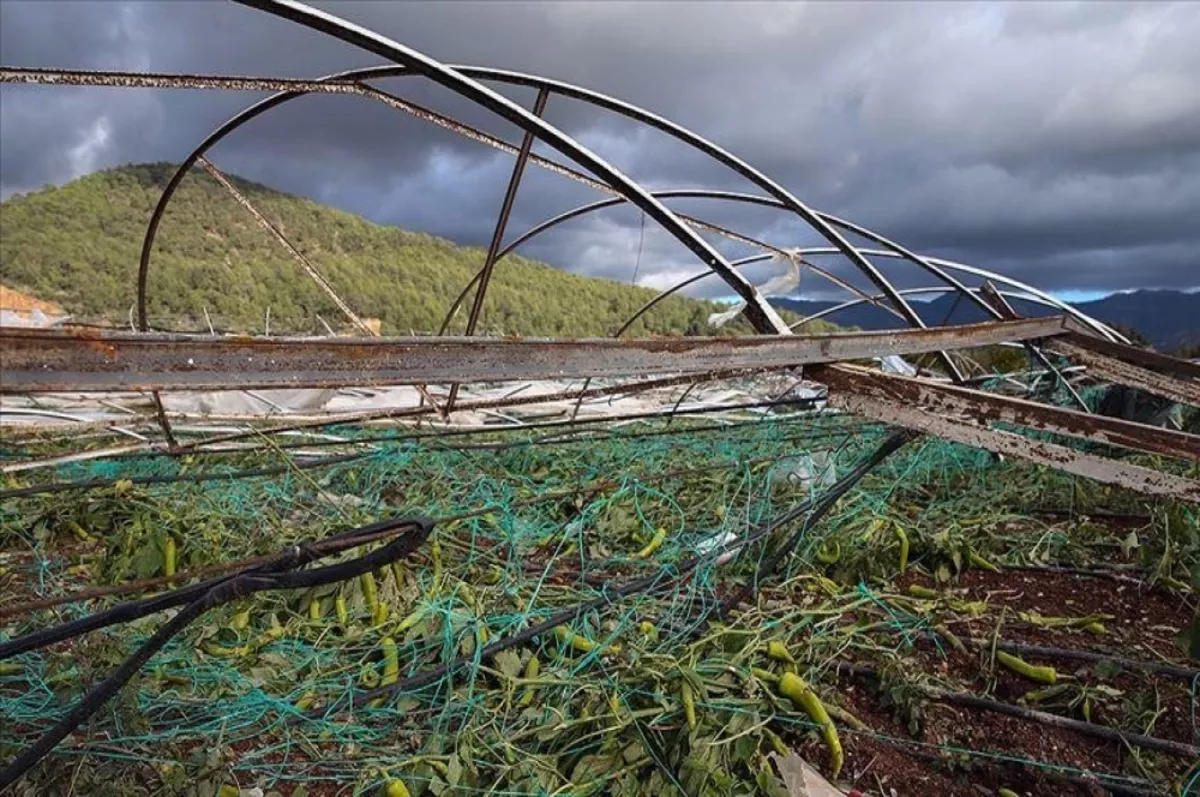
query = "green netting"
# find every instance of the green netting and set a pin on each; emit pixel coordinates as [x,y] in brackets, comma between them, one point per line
[530,526]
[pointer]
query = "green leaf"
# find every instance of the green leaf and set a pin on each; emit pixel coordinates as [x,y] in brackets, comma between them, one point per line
[633,752]
[1108,669]
[745,748]
[454,769]
[591,768]
[1129,544]
[769,784]
[693,678]
[148,561]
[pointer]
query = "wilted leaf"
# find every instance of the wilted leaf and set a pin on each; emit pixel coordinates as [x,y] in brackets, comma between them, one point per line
[508,662]
[693,678]
[633,752]
[770,785]
[591,768]
[148,561]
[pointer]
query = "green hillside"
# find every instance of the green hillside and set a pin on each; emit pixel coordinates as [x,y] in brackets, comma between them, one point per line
[78,245]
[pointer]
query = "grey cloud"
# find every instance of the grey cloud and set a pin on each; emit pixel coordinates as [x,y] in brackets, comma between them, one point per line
[1058,142]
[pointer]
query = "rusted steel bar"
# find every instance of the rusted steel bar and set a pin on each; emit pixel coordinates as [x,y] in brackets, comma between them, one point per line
[162,80]
[1143,358]
[50,360]
[990,295]
[489,261]
[296,254]
[1185,391]
[1134,477]
[985,408]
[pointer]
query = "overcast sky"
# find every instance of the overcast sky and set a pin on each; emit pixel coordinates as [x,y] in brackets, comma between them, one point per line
[1057,143]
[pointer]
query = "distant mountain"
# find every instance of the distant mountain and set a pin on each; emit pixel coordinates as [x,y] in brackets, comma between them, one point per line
[78,245]
[1168,320]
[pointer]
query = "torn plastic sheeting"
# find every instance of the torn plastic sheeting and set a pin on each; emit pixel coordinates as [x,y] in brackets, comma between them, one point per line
[815,470]
[895,364]
[244,402]
[779,285]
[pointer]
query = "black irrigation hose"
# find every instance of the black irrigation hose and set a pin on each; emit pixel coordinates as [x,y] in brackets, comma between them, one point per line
[819,509]
[245,583]
[1062,654]
[298,556]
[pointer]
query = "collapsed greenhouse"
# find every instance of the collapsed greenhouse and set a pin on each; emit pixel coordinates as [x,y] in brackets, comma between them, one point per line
[933,559]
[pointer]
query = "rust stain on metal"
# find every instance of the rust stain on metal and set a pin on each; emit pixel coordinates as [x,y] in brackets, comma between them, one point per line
[991,408]
[47,360]
[972,433]
[1185,391]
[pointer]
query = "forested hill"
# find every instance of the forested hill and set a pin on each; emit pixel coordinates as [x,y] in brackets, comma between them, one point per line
[78,245]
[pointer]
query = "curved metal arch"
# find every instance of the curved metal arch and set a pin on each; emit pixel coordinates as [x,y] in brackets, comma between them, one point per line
[734,196]
[717,153]
[460,80]
[248,114]
[583,210]
[761,314]
[678,193]
[935,266]
[564,89]
[245,116]
[1034,294]
[938,289]
[745,261]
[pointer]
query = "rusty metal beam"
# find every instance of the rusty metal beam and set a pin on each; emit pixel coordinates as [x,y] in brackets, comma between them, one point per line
[56,360]
[489,262]
[1143,358]
[985,408]
[977,435]
[1185,391]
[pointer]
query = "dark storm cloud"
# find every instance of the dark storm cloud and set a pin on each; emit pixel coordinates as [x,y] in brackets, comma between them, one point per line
[1059,143]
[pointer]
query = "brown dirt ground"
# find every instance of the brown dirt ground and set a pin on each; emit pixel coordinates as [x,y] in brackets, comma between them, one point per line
[1144,624]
